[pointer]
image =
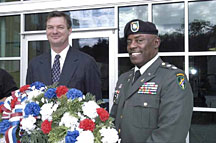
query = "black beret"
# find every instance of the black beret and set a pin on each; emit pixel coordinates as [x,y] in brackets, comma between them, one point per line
[137,26]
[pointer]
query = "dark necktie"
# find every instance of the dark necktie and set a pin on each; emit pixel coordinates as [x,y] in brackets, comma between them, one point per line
[136,76]
[56,69]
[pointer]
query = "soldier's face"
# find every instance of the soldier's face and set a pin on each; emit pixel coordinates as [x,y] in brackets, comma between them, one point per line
[142,48]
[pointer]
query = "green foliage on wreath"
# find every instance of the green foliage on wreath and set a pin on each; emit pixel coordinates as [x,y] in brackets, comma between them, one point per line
[57,134]
[36,136]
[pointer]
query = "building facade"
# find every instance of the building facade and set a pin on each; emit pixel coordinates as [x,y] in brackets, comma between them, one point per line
[187,29]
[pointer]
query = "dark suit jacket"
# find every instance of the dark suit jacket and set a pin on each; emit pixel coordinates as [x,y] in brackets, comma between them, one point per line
[156,108]
[7,84]
[79,71]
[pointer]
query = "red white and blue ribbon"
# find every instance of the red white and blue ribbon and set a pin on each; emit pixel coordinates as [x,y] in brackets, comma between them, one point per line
[14,115]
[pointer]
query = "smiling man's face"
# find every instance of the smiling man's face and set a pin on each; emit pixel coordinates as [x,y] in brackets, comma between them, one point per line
[142,48]
[57,32]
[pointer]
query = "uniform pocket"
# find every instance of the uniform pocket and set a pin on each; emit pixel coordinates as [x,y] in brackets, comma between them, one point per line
[145,111]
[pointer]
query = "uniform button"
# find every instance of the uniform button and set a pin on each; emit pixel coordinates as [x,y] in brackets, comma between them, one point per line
[121,116]
[145,104]
[119,130]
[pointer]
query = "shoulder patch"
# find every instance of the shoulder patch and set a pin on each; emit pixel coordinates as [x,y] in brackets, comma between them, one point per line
[181,80]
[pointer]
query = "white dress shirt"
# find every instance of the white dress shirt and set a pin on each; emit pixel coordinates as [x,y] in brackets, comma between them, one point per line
[63,55]
[146,66]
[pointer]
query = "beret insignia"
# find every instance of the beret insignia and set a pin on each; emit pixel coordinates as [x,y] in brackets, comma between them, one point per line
[134,26]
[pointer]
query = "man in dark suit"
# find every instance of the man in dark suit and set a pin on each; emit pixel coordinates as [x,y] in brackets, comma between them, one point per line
[153,102]
[64,64]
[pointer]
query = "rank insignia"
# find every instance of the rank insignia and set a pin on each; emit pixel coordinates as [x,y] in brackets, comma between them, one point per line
[148,88]
[181,80]
[116,94]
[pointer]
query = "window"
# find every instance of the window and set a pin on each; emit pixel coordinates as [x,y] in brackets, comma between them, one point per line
[8,0]
[202,26]
[169,19]
[9,36]
[36,21]
[93,18]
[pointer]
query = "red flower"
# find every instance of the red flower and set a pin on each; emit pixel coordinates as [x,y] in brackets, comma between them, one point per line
[13,102]
[87,124]
[61,90]
[103,114]
[24,88]
[46,126]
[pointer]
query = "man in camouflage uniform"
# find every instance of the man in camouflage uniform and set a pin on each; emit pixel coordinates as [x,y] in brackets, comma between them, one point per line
[153,102]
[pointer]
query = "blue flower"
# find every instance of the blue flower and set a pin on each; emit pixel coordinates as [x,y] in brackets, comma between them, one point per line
[32,109]
[4,126]
[71,136]
[38,85]
[50,93]
[74,93]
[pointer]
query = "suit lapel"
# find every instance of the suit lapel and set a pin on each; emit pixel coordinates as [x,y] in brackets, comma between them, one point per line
[46,69]
[148,75]
[69,67]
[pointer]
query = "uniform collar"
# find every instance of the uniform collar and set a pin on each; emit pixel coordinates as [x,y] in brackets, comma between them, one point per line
[146,66]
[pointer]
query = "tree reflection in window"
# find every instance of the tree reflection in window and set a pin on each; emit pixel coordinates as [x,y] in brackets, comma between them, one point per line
[202,26]
[169,19]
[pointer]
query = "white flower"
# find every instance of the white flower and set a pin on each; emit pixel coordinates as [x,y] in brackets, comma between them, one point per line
[109,135]
[46,111]
[33,93]
[85,137]
[54,108]
[69,121]
[89,109]
[28,123]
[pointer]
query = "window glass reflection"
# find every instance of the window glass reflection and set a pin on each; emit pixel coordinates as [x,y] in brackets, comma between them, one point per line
[12,67]
[169,19]
[93,18]
[125,15]
[99,49]
[36,48]
[203,80]
[202,26]
[9,36]
[36,21]
[8,0]
[203,128]
[124,65]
